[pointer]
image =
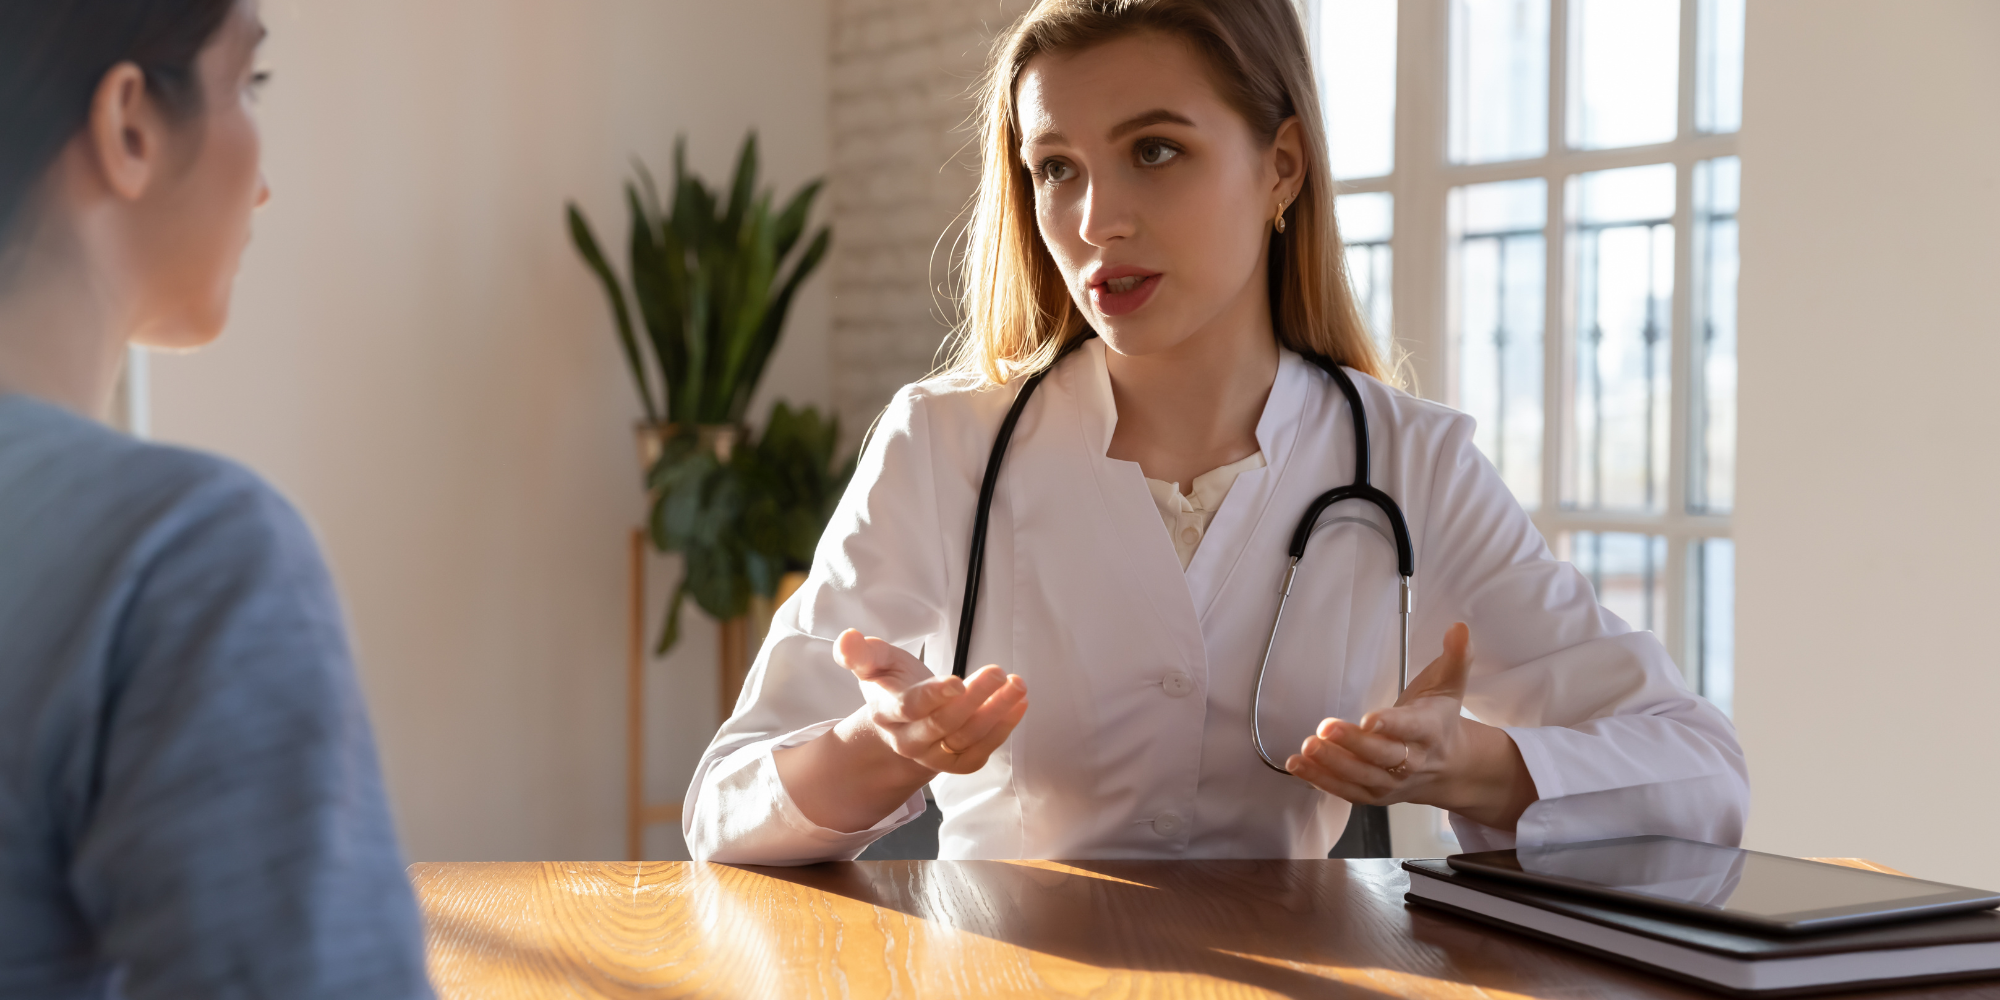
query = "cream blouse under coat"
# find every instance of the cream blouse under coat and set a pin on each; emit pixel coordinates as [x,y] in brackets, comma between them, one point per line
[1187,516]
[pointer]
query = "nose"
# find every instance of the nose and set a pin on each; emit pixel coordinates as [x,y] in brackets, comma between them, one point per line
[263,190]
[1109,213]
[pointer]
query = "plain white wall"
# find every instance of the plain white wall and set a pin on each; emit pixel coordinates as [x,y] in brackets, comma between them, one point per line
[1868,549]
[419,360]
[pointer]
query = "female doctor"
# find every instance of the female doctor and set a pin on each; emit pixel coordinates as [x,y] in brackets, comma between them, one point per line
[1154,173]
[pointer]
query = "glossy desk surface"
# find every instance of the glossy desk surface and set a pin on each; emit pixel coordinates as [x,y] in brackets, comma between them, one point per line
[871,929]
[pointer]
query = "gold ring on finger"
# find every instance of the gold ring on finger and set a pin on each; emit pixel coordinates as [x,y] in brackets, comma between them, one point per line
[1399,768]
[948,748]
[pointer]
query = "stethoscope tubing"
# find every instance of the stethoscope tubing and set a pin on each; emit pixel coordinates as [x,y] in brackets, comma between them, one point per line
[1406,559]
[1257,692]
[1359,489]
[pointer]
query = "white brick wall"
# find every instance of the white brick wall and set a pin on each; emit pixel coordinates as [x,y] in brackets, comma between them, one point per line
[904,165]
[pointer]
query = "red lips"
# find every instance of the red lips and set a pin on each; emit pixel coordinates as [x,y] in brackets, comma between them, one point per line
[1118,303]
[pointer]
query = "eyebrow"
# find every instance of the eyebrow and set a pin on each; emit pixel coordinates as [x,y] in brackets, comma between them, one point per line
[1157,116]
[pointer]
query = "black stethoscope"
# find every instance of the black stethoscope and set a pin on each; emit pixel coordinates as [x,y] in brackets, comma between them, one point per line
[1359,489]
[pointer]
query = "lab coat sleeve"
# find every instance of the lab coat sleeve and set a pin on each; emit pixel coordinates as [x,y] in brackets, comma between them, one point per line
[879,569]
[1617,744]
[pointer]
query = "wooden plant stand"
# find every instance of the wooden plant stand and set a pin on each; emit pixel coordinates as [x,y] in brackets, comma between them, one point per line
[736,646]
[639,814]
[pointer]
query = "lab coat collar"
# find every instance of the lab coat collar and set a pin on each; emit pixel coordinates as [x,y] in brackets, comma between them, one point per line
[1277,426]
[1088,380]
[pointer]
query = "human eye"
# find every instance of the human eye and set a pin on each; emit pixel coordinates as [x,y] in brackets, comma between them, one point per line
[1155,152]
[256,83]
[1053,171]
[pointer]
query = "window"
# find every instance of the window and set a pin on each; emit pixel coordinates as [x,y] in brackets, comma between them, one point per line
[1367,226]
[1555,182]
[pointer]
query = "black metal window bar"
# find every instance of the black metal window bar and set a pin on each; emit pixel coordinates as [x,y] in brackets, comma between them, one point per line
[1502,342]
[1653,329]
[1368,272]
[1707,221]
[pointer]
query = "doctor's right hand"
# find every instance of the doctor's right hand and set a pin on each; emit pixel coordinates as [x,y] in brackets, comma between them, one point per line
[940,723]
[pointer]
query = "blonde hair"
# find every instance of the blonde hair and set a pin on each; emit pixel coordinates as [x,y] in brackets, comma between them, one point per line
[1016,314]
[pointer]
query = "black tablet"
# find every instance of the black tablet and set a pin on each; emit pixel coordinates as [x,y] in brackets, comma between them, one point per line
[1767,892]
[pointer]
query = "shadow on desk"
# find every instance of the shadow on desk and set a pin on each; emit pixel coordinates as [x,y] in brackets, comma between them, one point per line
[1366,836]
[1287,928]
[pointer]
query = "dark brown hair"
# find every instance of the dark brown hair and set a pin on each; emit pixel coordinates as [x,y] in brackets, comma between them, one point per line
[53,54]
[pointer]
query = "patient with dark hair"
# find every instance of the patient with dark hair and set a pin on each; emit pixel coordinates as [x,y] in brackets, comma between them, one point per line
[190,804]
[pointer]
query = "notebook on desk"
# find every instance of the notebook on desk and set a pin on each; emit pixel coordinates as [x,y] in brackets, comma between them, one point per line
[1733,960]
[1765,893]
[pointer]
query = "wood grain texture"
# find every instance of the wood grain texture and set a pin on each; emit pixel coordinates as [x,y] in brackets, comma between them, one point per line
[1207,929]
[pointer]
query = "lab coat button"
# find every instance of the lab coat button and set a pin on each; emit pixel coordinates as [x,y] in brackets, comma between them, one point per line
[1177,684]
[1190,535]
[1167,824]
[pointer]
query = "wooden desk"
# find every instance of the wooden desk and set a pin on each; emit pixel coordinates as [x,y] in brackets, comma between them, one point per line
[984,929]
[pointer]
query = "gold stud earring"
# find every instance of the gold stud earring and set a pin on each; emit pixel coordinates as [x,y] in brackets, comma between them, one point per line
[1280,220]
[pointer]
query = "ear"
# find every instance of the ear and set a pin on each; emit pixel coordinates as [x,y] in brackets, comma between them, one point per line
[126,135]
[1288,160]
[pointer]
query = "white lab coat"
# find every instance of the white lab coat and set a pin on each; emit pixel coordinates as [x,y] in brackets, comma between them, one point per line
[1136,741]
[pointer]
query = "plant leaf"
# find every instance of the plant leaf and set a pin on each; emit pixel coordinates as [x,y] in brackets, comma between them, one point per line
[755,267]
[649,266]
[792,221]
[742,186]
[672,348]
[586,245]
[695,381]
[680,161]
[670,633]
[760,573]
[650,190]
[773,321]
[715,579]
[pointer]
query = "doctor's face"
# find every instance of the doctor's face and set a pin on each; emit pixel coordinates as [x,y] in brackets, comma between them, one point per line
[1154,196]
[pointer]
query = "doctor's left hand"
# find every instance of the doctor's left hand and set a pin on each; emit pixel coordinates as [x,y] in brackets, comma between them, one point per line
[1423,750]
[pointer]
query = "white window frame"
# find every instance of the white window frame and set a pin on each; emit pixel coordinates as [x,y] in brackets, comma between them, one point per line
[1421,281]
[132,402]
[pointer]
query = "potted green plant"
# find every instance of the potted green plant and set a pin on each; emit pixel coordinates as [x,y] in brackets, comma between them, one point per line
[714,279]
[745,521]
